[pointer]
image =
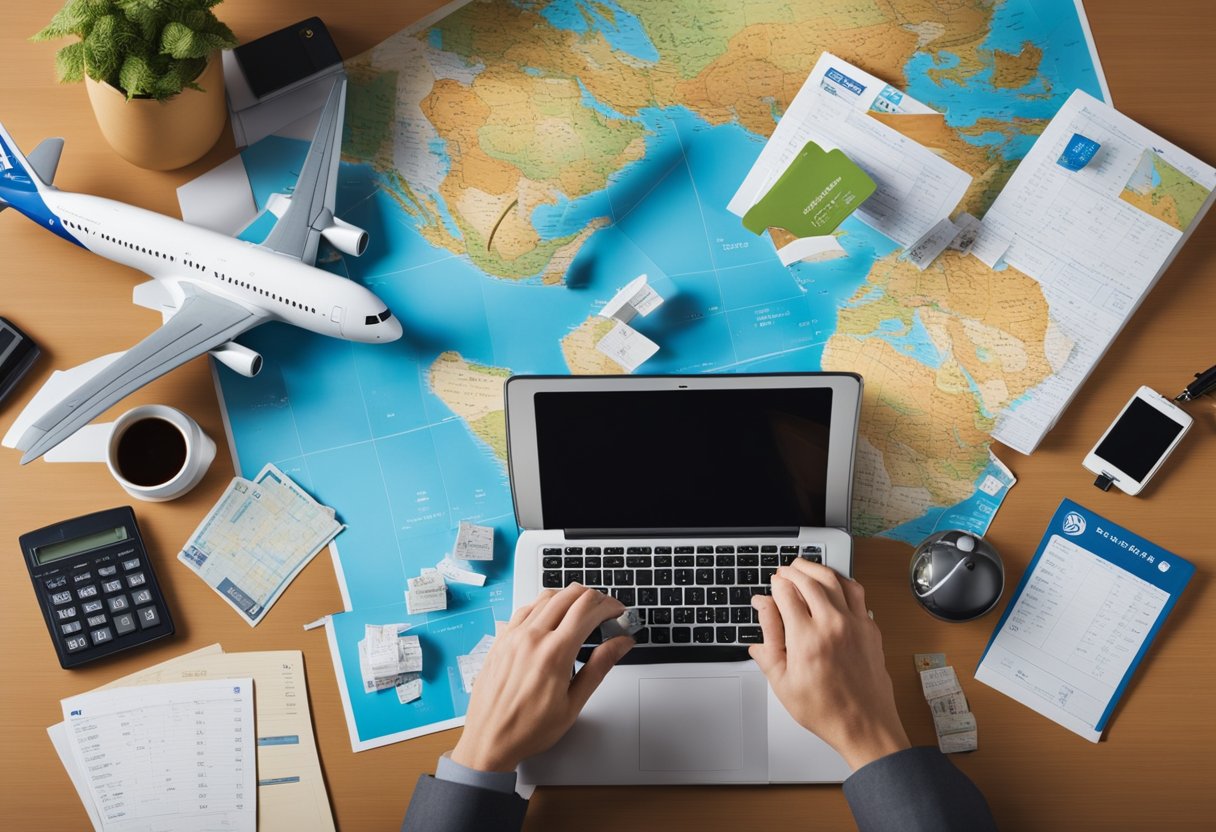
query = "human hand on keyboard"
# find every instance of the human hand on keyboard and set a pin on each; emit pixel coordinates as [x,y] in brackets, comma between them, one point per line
[822,654]
[524,699]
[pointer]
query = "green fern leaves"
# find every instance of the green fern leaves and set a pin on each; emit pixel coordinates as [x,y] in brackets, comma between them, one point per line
[146,48]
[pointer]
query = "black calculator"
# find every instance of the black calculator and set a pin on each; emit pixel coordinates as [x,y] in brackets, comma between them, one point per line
[96,587]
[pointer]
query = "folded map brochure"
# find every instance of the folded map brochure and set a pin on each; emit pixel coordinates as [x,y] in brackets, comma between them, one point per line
[817,192]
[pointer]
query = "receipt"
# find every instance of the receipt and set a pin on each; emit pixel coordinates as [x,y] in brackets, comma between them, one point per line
[455,573]
[956,733]
[427,593]
[968,231]
[627,347]
[938,682]
[637,298]
[474,542]
[928,661]
[949,705]
[932,243]
[410,689]
[388,659]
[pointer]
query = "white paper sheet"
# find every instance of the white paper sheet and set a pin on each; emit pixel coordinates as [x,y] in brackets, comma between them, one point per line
[627,347]
[1095,254]
[203,774]
[1071,636]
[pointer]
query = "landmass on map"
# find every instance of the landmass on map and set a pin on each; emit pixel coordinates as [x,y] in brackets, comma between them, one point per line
[474,392]
[1161,190]
[930,345]
[503,133]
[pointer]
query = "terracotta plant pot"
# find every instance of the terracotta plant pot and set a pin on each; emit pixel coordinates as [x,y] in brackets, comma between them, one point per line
[162,135]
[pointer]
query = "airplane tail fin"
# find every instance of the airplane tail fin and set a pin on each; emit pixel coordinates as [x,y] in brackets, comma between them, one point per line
[21,175]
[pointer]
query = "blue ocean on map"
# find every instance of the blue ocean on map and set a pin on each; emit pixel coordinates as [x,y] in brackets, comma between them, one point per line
[360,427]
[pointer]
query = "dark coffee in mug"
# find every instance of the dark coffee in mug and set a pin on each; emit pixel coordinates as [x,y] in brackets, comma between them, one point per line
[150,452]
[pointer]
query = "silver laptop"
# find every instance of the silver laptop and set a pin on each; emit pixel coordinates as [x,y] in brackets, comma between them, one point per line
[681,495]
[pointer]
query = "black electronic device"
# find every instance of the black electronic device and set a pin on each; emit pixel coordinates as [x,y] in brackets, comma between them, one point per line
[291,54]
[956,576]
[95,585]
[18,353]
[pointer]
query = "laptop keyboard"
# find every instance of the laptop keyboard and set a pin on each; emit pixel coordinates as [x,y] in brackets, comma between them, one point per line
[696,598]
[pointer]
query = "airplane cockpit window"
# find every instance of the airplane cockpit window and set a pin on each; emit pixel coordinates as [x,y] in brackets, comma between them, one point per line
[385,315]
[370,319]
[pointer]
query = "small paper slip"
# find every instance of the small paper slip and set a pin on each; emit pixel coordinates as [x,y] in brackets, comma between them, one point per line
[956,733]
[474,542]
[928,661]
[637,298]
[427,593]
[627,347]
[934,241]
[949,705]
[939,681]
[202,775]
[257,538]
[1087,608]
[455,573]
[409,691]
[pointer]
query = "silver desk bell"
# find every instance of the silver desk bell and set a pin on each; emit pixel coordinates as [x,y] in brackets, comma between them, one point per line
[956,576]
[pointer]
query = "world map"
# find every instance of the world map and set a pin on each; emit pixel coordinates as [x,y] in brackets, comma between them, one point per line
[516,163]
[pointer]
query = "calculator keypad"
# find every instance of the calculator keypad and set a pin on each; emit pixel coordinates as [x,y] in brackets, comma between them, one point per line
[100,604]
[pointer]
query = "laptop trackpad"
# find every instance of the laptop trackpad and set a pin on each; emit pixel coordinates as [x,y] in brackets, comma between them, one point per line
[691,724]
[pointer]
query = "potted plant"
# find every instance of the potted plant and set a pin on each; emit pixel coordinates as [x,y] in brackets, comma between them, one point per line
[152,71]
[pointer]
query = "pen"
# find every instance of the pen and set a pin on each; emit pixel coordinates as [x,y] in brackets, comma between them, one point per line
[1204,382]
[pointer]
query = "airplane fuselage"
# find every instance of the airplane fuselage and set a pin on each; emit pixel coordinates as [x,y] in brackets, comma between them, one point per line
[179,254]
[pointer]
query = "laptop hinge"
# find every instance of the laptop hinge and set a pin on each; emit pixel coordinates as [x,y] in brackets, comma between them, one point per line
[780,531]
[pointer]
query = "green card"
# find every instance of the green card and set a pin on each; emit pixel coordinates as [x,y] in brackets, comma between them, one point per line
[814,195]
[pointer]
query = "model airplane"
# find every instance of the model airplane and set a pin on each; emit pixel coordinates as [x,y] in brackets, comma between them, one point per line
[211,287]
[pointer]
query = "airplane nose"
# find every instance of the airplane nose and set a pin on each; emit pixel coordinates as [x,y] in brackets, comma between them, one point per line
[393,329]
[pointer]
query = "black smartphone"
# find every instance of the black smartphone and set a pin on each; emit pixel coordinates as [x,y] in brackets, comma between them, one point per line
[281,58]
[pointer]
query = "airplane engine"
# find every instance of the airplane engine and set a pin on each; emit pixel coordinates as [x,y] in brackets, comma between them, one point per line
[346,238]
[239,359]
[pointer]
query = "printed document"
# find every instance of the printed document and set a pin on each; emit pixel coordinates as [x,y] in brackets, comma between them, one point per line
[256,539]
[290,786]
[1087,609]
[167,758]
[1096,239]
[916,187]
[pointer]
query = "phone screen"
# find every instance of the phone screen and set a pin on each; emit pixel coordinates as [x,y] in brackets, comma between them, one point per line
[1140,437]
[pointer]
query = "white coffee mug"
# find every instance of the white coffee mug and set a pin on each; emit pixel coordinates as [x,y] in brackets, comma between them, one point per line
[160,476]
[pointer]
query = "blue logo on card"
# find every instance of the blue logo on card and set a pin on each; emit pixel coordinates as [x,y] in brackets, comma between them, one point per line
[1074,524]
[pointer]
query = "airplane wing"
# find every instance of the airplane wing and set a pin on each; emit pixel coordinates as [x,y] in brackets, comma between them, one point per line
[311,209]
[202,323]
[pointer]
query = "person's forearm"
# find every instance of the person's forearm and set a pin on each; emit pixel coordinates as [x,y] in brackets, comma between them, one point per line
[913,790]
[460,799]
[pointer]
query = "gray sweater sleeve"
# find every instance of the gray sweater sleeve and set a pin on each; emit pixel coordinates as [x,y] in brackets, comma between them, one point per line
[447,806]
[913,790]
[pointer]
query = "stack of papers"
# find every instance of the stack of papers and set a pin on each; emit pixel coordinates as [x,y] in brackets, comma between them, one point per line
[952,719]
[256,539]
[471,664]
[290,792]
[388,659]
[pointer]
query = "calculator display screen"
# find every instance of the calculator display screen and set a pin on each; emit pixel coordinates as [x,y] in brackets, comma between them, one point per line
[85,543]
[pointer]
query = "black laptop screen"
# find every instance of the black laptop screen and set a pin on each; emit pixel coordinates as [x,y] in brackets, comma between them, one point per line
[683,459]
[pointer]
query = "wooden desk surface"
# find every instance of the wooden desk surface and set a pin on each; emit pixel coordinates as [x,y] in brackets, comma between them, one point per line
[1155,768]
